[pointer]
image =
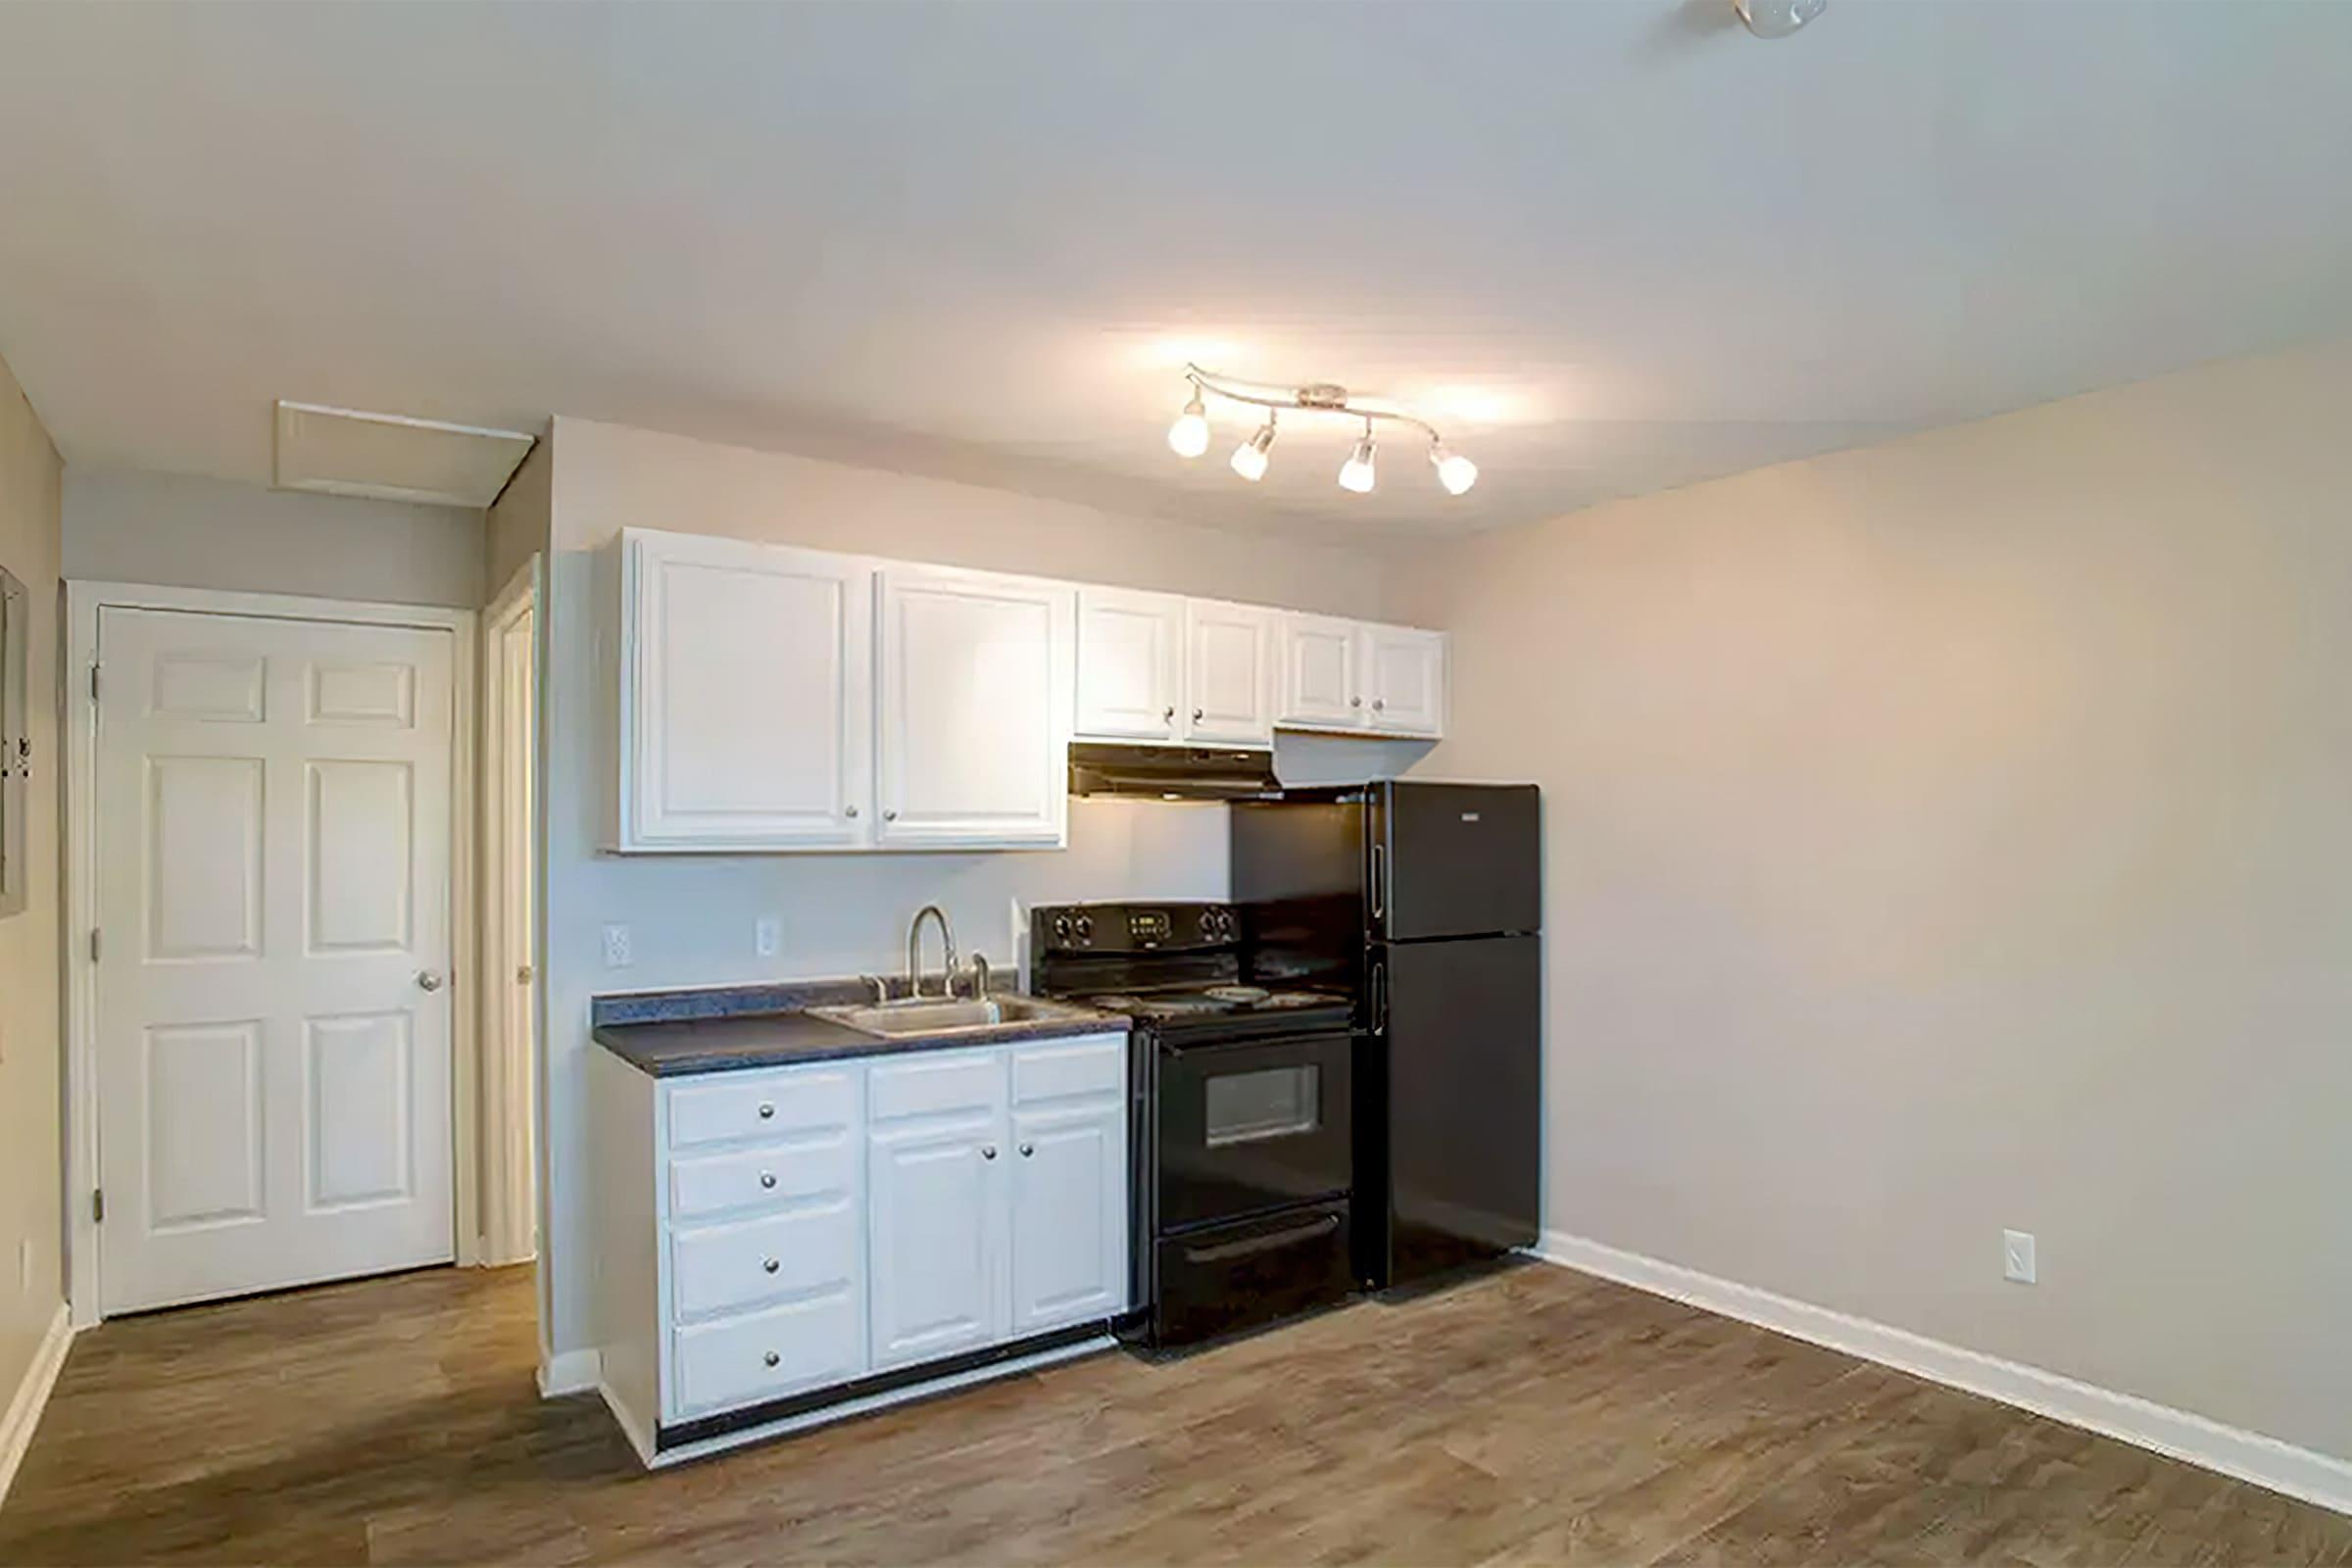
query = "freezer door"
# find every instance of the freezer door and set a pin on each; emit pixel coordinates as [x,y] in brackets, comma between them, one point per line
[1463,1080]
[1456,860]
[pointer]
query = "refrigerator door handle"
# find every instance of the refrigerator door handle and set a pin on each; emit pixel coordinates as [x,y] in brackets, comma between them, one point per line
[1379,881]
[1380,997]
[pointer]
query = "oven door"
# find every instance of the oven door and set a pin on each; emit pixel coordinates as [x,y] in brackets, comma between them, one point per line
[1252,1126]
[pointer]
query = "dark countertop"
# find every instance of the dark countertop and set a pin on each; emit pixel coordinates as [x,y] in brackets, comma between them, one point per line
[668,1035]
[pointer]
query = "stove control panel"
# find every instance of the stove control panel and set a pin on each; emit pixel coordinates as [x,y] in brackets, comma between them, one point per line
[1131,927]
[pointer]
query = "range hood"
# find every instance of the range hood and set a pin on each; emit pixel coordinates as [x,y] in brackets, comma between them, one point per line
[1173,772]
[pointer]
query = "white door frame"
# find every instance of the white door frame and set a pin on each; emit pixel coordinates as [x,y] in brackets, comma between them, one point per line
[84,602]
[509,1186]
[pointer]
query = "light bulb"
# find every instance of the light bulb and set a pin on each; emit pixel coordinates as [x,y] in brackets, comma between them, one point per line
[1250,457]
[1776,18]
[1356,472]
[1187,437]
[1455,472]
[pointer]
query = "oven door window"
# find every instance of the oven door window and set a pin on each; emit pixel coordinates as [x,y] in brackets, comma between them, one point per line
[1247,1107]
[1252,1126]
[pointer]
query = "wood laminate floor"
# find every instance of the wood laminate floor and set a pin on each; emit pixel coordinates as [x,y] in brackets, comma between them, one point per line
[1533,1416]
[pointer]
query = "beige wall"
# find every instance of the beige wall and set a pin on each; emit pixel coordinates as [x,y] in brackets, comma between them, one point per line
[692,915]
[1957,835]
[31,1214]
[186,532]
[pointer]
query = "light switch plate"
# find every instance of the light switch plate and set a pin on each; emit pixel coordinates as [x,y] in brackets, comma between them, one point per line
[2017,1256]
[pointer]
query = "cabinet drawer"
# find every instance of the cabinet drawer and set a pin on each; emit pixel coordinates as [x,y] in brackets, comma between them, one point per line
[1063,1069]
[724,1268]
[760,1104]
[765,1355]
[762,1177]
[934,1085]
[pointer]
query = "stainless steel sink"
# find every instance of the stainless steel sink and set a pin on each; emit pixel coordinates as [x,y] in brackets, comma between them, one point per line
[938,1015]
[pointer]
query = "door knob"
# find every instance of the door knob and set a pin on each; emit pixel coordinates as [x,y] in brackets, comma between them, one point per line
[426,980]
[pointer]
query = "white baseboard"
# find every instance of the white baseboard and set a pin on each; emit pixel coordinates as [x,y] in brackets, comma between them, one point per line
[571,1372]
[2250,1456]
[32,1395]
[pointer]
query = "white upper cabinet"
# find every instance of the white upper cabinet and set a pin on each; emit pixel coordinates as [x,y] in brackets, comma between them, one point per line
[1321,687]
[1404,680]
[746,695]
[1130,665]
[973,721]
[1229,670]
[1357,676]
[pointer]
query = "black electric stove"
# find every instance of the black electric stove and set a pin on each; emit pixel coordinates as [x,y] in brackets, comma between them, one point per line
[1244,1131]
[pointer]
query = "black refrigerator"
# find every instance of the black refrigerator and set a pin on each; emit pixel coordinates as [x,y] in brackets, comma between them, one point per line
[1426,902]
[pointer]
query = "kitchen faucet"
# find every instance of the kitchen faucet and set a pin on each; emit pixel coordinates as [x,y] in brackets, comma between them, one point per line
[914,951]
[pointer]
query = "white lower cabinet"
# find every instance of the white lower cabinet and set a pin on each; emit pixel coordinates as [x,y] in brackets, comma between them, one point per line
[769,1235]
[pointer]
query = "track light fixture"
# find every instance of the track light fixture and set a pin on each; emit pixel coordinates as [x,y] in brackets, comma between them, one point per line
[1189,435]
[1356,472]
[1250,457]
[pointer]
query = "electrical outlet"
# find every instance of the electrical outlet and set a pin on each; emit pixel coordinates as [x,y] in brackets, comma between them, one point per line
[2017,1256]
[767,934]
[618,952]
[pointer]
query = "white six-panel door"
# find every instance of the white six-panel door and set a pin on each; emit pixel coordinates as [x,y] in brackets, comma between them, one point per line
[272,998]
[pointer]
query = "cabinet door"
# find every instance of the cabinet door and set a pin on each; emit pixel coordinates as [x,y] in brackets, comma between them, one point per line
[746,697]
[1130,678]
[1321,688]
[934,1198]
[1404,679]
[1069,1215]
[1229,667]
[975,706]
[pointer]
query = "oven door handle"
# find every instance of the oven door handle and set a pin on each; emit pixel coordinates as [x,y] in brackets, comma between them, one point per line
[1313,1230]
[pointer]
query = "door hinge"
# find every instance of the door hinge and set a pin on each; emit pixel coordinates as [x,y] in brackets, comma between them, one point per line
[98,1206]
[93,944]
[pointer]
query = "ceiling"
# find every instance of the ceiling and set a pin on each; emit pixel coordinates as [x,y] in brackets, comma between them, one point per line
[1611,247]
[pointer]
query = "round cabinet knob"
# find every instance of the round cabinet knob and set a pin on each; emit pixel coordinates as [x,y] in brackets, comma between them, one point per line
[771,1264]
[1378,702]
[988,1150]
[768,1178]
[1356,701]
[773,1358]
[1027,1150]
[848,810]
[890,817]
[767,1112]
[1200,714]
[1170,712]
[428,981]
